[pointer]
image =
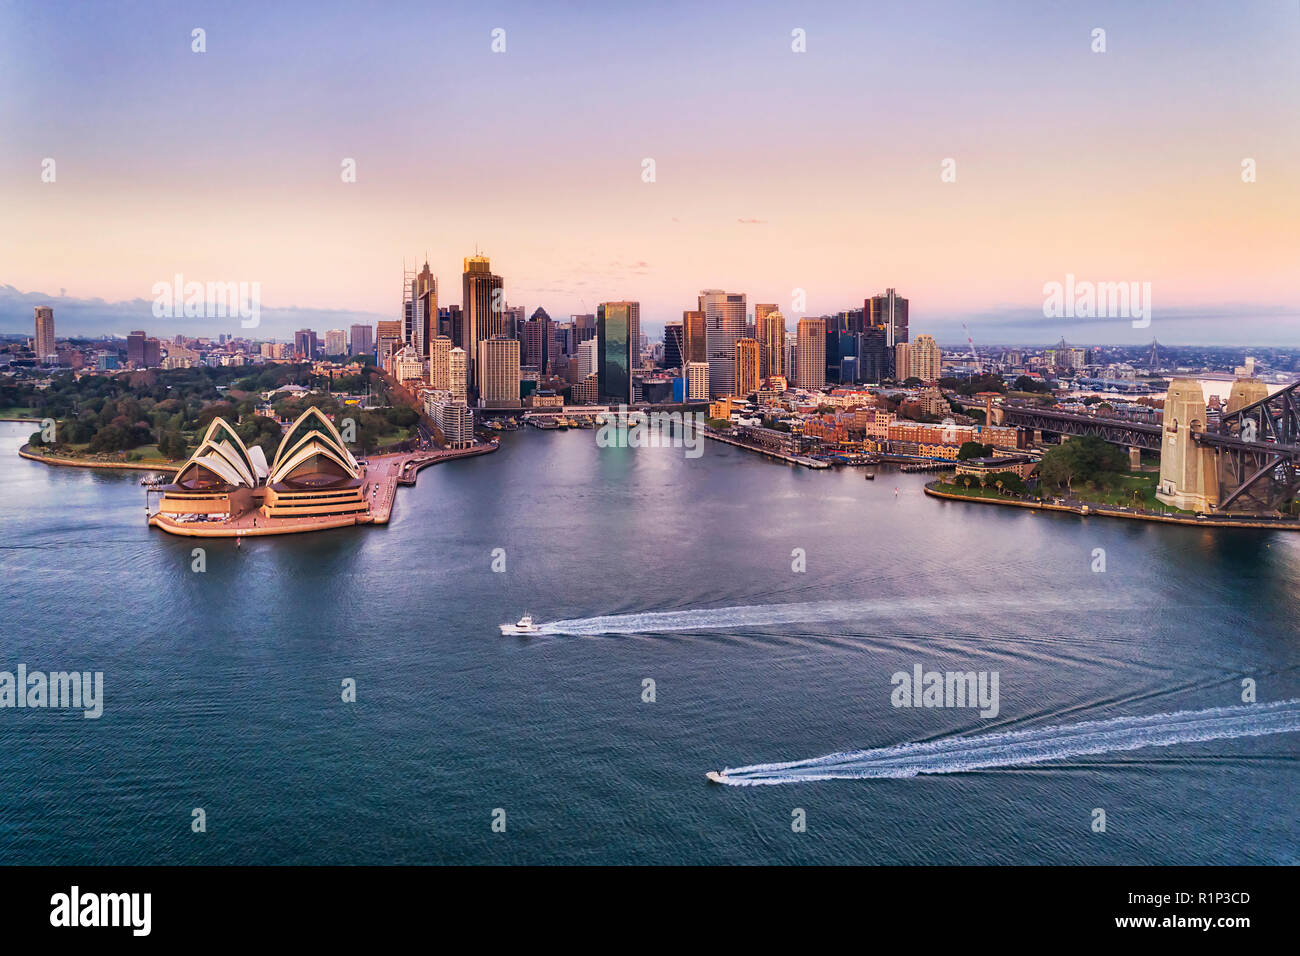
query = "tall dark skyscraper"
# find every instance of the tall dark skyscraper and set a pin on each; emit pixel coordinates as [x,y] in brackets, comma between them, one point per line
[483,309]
[537,340]
[674,345]
[618,348]
[887,311]
[874,364]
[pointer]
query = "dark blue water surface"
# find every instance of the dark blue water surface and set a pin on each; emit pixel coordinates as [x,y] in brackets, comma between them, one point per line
[222,689]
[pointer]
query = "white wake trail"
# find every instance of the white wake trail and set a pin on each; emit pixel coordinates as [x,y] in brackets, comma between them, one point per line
[1014,748]
[814,612]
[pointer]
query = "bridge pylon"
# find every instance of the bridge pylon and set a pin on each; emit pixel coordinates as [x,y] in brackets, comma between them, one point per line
[1189,474]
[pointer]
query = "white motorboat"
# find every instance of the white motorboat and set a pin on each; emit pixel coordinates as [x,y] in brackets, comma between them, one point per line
[524,625]
[716,776]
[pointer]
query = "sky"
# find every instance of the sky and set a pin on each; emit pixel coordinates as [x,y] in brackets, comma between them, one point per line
[774,170]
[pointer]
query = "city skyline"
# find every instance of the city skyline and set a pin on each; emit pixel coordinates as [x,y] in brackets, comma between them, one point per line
[1070,162]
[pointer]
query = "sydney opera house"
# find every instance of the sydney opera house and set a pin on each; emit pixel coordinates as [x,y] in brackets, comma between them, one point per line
[312,476]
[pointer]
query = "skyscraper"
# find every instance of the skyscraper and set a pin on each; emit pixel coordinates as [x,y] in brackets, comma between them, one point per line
[588,358]
[498,365]
[44,342]
[336,342]
[887,311]
[388,337]
[440,363]
[135,348]
[771,343]
[362,340]
[425,310]
[724,322]
[693,338]
[697,381]
[811,340]
[674,345]
[761,311]
[537,340]
[920,359]
[482,307]
[457,373]
[618,337]
[747,377]
[304,344]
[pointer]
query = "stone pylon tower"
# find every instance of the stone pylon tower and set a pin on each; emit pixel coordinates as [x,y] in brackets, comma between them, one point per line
[1188,472]
[1245,391]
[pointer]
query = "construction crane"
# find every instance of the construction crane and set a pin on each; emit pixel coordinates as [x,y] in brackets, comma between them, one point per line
[971,342]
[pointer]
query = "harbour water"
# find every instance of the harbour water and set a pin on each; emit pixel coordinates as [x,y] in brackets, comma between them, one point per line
[222,688]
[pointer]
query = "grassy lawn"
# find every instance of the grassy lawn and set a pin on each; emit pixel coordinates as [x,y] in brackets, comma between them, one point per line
[974,491]
[1127,491]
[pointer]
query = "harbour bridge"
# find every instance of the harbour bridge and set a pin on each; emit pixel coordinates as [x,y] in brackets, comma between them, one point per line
[1246,463]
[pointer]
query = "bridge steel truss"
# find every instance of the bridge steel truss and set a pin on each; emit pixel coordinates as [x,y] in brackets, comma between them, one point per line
[1117,431]
[1258,450]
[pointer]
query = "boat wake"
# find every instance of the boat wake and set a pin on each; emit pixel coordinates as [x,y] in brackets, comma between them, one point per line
[814,612]
[979,752]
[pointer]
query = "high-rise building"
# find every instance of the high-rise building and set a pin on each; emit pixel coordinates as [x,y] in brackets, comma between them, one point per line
[761,311]
[674,345]
[305,344]
[483,309]
[440,363]
[588,357]
[388,338]
[810,370]
[725,319]
[537,340]
[694,348]
[457,373]
[450,322]
[336,342]
[362,340]
[44,342]
[512,322]
[920,359]
[618,349]
[873,355]
[425,310]
[887,311]
[697,381]
[498,365]
[771,332]
[135,348]
[747,377]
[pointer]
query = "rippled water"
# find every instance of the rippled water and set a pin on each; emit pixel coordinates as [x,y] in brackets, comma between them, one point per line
[223,688]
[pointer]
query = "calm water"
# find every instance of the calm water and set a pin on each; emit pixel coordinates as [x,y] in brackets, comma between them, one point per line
[223,688]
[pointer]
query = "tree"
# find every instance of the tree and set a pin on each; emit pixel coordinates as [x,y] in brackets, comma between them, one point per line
[973,449]
[1010,482]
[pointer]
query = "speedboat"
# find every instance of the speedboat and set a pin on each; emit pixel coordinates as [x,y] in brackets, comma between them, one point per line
[524,625]
[716,776]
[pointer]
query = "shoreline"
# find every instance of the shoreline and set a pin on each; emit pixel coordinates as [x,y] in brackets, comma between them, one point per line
[78,463]
[1088,511]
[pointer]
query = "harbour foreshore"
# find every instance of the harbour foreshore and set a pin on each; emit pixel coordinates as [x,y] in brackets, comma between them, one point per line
[1087,511]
